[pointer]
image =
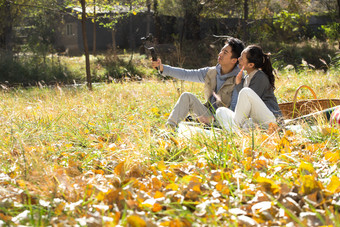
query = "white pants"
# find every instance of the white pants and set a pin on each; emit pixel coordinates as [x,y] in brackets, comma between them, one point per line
[249,105]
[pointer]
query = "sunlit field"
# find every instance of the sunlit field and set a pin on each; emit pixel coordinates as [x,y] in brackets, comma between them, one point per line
[70,156]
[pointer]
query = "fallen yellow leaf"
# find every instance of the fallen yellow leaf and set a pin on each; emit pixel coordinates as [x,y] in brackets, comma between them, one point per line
[158,194]
[332,156]
[136,221]
[172,186]
[156,207]
[334,185]
[308,184]
[306,168]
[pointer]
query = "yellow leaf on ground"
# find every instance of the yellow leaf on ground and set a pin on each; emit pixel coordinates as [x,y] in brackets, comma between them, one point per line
[169,176]
[334,185]
[197,188]
[161,166]
[248,152]
[284,146]
[156,207]
[332,156]
[156,183]
[59,209]
[179,223]
[216,176]
[308,184]
[99,171]
[100,196]
[268,184]
[260,163]
[224,189]
[304,166]
[119,169]
[21,183]
[173,187]
[136,221]
[112,147]
[158,194]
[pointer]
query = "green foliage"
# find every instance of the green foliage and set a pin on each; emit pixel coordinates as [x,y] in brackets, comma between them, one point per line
[41,35]
[119,69]
[332,31]
[289,26]
[31,69]
[318,56]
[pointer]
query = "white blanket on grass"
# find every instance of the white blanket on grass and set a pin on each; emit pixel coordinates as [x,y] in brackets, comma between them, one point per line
[190,129]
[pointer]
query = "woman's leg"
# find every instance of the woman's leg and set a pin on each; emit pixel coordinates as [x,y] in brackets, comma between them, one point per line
[225,118]
[250,105]
[186,103]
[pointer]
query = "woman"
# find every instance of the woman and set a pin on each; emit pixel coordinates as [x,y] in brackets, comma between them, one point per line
[256,101]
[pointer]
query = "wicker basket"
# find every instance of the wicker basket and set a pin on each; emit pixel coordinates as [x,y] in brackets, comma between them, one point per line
[296,108]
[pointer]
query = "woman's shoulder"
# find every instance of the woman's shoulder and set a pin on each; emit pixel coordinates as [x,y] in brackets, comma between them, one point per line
[260,75]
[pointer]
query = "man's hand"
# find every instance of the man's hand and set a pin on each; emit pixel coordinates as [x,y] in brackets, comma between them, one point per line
[157,65]
[238,78]
[205,119]
[217,97]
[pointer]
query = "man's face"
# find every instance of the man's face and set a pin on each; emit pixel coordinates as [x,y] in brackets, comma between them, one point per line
[225,56]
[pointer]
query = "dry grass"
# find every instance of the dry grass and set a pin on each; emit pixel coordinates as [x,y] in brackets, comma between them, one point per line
[70,156]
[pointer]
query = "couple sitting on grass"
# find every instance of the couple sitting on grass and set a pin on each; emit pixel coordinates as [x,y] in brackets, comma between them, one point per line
[233,101]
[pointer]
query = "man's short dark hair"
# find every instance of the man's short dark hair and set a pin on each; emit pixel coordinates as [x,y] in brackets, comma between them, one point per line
[237,46]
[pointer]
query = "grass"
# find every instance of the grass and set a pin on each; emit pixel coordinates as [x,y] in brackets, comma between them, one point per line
[74,157]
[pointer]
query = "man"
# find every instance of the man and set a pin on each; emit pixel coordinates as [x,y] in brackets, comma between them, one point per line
[219,82]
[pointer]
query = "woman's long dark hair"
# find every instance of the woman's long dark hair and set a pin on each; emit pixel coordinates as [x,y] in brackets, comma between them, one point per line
[261,60]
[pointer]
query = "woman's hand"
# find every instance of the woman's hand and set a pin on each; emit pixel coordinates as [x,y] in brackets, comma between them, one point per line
[157,65]
[238,78]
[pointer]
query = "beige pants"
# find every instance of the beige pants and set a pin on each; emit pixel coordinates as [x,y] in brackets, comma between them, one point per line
[249,105]
[188,102]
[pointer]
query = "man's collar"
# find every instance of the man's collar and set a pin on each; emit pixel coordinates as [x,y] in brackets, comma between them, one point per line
[233,72]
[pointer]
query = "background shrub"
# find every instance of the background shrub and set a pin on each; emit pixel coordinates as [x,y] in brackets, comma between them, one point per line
[31,69]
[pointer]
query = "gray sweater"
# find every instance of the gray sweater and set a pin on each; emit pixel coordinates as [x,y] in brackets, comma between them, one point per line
[262,87]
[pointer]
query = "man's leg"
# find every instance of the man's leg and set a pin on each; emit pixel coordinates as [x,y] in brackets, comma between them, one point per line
[249,104]
[186,103]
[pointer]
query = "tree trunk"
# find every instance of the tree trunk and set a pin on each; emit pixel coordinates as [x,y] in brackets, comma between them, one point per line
[245,22]
[157,22]
[131,33]
[191,19]
[86,48]
[339,9]
[148,19]
[7,27]
[114,49]
[94,29]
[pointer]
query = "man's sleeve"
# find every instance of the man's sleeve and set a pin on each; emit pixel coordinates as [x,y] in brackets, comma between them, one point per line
[194,75]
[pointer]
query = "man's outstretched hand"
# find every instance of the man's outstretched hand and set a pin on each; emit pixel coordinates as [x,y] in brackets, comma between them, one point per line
[157,65]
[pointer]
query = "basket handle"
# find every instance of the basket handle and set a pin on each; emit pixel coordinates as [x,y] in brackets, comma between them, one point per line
[296,93]
[297,90]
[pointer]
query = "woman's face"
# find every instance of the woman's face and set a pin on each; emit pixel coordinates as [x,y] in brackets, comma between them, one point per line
[243,61]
